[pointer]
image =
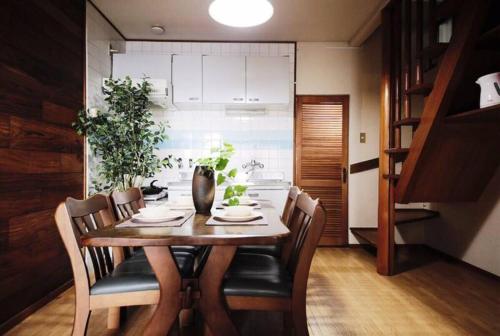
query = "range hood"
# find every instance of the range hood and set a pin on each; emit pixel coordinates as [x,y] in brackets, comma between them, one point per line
[159,94]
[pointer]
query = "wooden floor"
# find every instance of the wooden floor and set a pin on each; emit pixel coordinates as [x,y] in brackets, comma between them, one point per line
[345,297]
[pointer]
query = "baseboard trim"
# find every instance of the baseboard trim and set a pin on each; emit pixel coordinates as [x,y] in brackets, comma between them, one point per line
[16,319]
[444,255]
[464,263]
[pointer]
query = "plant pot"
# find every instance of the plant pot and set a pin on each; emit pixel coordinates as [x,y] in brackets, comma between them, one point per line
[203,189]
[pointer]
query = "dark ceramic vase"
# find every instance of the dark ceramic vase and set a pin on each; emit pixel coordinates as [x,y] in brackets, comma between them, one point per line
[203,189]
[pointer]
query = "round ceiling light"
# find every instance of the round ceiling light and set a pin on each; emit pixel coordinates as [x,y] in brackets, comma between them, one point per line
[157,30]
[241,13]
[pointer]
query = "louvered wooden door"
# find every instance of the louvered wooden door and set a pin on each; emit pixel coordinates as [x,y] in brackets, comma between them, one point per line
[321,140]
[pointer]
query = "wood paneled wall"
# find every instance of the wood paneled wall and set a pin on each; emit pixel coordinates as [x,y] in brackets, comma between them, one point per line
[42,59]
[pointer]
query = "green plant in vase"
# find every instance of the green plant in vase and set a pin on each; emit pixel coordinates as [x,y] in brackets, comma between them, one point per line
[123,138]
[217,163]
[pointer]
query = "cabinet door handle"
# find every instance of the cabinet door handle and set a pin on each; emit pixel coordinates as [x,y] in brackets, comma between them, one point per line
[253,194]
[237,99]
[344,175]
[193,98]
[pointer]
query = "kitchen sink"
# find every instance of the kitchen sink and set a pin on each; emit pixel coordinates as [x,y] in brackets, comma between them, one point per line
[266,176]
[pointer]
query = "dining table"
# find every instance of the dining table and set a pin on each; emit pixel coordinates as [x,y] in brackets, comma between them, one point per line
[205,287]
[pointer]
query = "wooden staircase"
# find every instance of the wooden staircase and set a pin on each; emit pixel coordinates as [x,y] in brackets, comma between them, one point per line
[453,145]
[403,216]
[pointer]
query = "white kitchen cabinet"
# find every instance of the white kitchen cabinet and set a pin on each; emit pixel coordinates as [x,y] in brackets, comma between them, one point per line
[139,66]
[224,79]
[187,78]
[268,80]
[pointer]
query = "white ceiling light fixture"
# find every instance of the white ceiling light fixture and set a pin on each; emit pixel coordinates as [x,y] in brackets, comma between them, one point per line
[241,13]
[157,30]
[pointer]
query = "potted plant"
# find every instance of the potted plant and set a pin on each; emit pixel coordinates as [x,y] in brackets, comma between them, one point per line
[204,179]
[123,138]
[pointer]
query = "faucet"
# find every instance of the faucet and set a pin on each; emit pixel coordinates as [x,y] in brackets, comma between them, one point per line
[252,165]
[168,161]
[179,163]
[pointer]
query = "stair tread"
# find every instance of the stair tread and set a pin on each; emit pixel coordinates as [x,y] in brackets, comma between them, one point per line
[414,121]
[489,114]
[408,215]
[396,150]
[369,235]
[423,89]
[490,39]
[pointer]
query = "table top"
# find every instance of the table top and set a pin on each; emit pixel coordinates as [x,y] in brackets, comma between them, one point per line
[193,232]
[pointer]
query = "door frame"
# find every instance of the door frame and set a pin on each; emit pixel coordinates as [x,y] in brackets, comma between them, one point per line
[344,99]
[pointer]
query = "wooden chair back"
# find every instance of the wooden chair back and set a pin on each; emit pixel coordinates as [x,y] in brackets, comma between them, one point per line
[306,225]
[126,203]
[291,199]
[74,218]
[88,215]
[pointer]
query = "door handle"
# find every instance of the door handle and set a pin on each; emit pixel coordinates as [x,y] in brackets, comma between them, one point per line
[344,175]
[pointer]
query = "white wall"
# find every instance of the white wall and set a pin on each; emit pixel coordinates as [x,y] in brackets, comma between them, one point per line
[100,35]
[335,68]
[470,231]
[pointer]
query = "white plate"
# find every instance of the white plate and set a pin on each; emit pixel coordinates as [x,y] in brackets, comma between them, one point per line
[224,217]
[249,203]
[172,215]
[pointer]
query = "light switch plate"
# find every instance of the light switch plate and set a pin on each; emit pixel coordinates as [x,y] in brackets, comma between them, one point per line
[362,137]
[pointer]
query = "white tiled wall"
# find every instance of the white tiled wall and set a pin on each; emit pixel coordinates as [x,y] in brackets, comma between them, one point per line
[100,35]
[266,136]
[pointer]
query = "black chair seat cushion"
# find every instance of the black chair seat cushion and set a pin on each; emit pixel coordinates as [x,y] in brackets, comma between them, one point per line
[257,275]
[265,285]
[136,274]
[272,250]
[253,264]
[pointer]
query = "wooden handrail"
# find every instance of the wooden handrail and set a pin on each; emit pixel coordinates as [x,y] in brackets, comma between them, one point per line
[362,166]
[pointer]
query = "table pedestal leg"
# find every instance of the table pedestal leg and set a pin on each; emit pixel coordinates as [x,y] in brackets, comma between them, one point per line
[211,302]
[167,274]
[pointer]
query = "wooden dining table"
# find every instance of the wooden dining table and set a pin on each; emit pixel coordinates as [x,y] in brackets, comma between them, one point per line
[206,287]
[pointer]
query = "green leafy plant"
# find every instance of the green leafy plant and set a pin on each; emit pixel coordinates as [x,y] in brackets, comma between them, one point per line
[217,162]
[124,137]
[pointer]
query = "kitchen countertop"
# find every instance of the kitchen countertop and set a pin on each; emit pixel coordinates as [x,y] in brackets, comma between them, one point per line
[257,185]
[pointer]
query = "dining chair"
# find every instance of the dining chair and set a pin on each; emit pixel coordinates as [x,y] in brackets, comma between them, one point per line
[127,203]
[111,282]
[275,250]
[280,284]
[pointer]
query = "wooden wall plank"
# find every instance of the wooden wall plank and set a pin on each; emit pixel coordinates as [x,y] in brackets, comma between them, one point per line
[4,130]
[30,162]
[29,134]
[26,201]
[10,182]
[41,158]
[58,114]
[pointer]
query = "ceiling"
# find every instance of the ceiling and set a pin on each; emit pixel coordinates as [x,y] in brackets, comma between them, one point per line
[293,20]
